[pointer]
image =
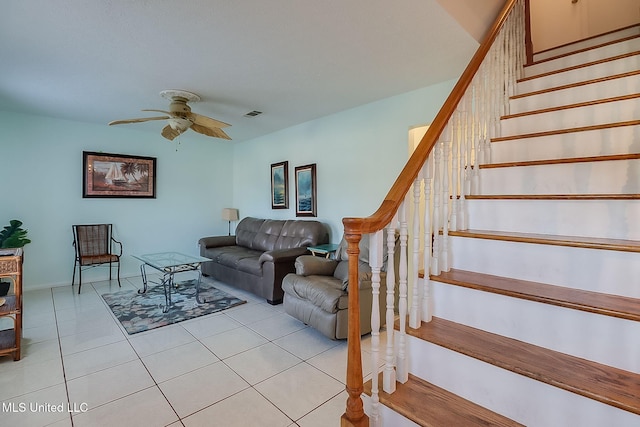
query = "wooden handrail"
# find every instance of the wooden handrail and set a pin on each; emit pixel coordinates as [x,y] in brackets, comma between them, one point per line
[354,228]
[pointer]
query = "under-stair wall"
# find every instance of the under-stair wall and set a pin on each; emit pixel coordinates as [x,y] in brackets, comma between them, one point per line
[537,322]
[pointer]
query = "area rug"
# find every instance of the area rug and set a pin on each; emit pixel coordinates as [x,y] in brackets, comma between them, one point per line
[142,312]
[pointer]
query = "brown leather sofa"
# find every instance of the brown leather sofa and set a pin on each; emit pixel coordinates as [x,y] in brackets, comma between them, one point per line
[261,253]
[318,292]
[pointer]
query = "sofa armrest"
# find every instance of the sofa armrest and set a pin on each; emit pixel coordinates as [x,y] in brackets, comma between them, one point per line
[282,255]
[216,241]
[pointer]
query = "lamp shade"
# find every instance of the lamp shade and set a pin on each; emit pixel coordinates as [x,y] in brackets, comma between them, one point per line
[230,214]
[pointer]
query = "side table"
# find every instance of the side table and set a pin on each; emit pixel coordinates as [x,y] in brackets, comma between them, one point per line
[11,267]
[323,250]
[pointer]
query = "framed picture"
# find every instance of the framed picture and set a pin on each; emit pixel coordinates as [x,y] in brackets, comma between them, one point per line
[280,185]
[118,175]
[306,190]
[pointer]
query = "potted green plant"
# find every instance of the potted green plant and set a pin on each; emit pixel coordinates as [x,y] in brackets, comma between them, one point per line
[12,236]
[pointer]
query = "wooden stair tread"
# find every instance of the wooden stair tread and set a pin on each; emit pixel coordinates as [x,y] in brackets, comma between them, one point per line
[570,106]
[583,65]
[553,197]
[429,405]
[584,49]
[612,157]
[548,239]
[572,85]
[567,130]
[589,301]
[603,383]
[586,38]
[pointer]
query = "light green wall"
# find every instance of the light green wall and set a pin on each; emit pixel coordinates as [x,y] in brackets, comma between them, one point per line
[41,174]
[358,152]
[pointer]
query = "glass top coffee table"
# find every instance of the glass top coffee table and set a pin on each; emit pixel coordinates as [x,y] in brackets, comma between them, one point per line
[170,263]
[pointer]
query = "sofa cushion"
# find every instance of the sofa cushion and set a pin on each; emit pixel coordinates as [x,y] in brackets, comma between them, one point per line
[296,233]
[322,291]
[236,257]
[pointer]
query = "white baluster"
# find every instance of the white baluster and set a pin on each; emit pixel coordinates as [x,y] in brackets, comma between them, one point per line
[402,363]
[376,244]
[456,136]
[444,252]
[389,372]
[437,199]
[414,313]
[427,171]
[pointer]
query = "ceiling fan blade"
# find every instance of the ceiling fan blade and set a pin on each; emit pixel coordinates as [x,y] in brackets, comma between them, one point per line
[146,119]
[214,132]
[160,111]
[207,121]
[169,132]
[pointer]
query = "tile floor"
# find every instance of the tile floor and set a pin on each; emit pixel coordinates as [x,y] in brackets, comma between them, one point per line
[252,365]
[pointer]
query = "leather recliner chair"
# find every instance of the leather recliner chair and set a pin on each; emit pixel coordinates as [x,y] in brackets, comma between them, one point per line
[318,292]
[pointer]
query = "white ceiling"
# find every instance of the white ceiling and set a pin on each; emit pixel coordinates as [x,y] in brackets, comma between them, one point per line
[294,60]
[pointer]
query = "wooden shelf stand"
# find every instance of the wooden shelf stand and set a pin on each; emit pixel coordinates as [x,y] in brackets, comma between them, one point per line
[11,267]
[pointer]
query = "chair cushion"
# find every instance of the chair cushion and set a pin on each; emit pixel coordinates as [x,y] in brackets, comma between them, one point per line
[322,291]
[98,259]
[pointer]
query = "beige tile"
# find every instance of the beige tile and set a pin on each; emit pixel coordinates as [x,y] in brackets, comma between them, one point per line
[38,408]
[247,408]
[102,334]
[299,390]
[178,360]
[262,362]
[156,340]
[144,408]
[212,324]
[18,378]
[277,326]
[109,384]
[203,387]
[326,415]
[96,359]
[250,312]
[306,343]
[230,343]
[40,333]
[40,351]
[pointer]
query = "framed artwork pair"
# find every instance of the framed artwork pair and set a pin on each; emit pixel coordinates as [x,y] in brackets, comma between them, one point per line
[306,192]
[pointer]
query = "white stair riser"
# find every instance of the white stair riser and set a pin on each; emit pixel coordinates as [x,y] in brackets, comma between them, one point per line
[595,41]
[613,219]
[584,93]
[603,339]
[604,177]
[522,399]
[601,142]
[612,272]
[603,113]
[590,55]
[618,66]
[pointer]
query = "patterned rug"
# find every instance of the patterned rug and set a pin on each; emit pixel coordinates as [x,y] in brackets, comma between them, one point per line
[142,312]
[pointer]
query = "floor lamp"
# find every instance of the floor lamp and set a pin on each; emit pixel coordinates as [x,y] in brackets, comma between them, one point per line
[230,214]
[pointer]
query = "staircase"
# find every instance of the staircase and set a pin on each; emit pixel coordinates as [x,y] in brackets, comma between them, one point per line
[537,321]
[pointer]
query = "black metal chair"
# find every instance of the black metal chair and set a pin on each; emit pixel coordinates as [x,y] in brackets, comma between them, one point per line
[94,245]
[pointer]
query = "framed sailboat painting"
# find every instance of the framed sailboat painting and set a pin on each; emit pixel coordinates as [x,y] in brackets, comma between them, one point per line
[118,175]
[306,190]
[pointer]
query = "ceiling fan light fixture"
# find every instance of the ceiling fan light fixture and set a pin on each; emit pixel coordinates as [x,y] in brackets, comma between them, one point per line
[179,124]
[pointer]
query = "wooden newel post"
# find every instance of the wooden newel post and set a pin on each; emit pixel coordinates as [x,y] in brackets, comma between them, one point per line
[354,414]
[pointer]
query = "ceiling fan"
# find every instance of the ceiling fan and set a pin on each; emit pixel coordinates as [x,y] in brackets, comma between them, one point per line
[180,118]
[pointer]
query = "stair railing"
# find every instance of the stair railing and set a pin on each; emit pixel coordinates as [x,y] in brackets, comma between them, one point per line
[433,184]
